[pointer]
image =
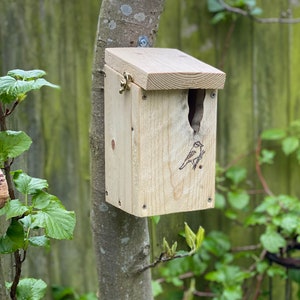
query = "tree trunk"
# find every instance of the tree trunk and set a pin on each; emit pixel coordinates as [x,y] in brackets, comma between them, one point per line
[121,240]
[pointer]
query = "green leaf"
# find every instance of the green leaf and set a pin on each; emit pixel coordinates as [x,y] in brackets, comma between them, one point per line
[217,243]
[218,17]
[273,134]
[26,75]
[42,199]
[13,143]
[267,156]
[28,185]
[15,208]
[155,219]
[199,237]
[214,6]
[290,144]
[31,289]
[272,241]
[13,239]
[238,199]
[236,174]
[57,221]
[18,83]
[256,11]
[39,241]
[190,236]
[156,288]
[220,201]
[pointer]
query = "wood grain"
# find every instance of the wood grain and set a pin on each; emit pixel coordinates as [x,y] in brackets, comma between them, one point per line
[152,138]
[164,69]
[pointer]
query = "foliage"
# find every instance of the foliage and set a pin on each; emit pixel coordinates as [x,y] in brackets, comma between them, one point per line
[35,216]
[67,293]
[276,217]
[218,8]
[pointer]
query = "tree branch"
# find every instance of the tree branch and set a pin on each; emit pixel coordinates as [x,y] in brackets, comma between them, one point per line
[283,20]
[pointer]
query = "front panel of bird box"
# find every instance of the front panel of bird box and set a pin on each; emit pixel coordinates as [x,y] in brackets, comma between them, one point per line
[160,141]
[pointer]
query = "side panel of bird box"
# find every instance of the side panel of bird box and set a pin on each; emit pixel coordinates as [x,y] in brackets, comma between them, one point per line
[118,164]
[159,148]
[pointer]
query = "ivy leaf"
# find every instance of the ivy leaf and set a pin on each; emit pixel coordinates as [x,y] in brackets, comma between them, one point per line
[13,143]
[15,208]
[31,289]
[13,239]
[273,134]
[272,241]
[290,144]
[28,185]
[56,220]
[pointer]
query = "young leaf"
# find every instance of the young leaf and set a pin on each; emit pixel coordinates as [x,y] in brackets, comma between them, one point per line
[166,246]
[238,199]
[13,143]
[26,75]
[236,174]
[267,156]
[39,241]
[290,144]
[273,134]
[272,241]
[199,238]
[18,83]
[28,185]
[57,221]
[31,289]
[190,236]
[214,6]
[13,239]
[15,208]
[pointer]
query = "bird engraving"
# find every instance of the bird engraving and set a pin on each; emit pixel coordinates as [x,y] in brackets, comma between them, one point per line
[194,156]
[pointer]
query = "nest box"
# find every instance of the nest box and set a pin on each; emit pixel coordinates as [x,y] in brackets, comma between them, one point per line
[160,130]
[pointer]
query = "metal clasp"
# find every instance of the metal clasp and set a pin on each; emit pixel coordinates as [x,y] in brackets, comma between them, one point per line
[125,82]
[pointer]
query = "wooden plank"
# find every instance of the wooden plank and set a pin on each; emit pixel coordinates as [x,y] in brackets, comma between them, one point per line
[164,140]
[118,175]
[164,69]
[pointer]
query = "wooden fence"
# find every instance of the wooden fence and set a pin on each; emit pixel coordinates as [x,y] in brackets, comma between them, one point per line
[262,90]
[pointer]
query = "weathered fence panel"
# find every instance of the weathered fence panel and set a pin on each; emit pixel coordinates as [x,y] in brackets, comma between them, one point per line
[262,65]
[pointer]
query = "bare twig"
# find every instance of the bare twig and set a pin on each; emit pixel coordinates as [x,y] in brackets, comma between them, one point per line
[162,259]
[245,13]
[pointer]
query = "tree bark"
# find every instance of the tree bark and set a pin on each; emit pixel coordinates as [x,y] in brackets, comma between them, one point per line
[121,241]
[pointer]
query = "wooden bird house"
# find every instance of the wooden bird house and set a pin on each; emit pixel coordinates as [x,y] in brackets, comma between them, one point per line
[160,130]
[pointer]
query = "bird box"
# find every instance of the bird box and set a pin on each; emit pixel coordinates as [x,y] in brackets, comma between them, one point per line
[160,130]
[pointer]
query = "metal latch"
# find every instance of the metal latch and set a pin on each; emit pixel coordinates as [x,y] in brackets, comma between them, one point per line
[125,82]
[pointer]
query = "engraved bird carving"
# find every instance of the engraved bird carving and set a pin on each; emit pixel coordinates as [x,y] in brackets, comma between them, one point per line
[194,156]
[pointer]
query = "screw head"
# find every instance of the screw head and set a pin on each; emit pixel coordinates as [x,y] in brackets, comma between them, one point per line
[143,41]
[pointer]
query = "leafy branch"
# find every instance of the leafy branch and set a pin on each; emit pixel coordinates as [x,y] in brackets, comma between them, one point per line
[37,216]
[245,8]
[193,240]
